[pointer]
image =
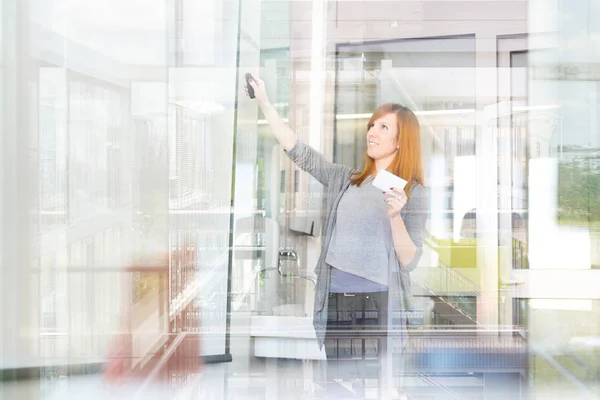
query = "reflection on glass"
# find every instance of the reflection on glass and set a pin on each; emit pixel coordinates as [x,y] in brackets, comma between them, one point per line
[147,211]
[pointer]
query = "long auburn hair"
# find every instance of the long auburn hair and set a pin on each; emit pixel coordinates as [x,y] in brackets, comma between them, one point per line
[407,162]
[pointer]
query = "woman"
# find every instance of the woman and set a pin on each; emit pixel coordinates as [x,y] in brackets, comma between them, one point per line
[371,239]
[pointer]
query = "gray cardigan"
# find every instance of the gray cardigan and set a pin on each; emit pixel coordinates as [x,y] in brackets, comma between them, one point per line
[336,179]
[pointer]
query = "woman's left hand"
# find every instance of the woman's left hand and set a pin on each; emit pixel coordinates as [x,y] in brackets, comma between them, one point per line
[396,201]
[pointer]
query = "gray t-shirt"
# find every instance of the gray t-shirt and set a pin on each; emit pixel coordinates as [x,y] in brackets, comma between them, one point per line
[362,243]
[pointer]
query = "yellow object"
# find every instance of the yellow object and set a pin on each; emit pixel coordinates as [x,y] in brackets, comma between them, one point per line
[461,254]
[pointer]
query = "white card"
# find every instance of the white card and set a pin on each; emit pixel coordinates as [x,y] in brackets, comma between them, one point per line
[386,180]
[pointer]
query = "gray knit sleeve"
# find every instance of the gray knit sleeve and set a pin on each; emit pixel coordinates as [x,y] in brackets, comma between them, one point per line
[313,162]
[415,216]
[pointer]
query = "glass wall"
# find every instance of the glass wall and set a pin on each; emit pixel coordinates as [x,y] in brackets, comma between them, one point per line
[154,232]
[563,192]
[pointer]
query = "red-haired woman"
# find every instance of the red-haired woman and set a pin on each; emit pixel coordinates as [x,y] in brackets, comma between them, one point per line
[371,240]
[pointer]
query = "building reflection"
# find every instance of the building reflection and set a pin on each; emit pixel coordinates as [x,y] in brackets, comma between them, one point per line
[166,241]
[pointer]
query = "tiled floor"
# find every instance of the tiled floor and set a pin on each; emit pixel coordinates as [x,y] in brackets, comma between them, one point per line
[271,380]
[267,380]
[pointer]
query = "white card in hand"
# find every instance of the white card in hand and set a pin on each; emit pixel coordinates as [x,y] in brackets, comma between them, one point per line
[386,180]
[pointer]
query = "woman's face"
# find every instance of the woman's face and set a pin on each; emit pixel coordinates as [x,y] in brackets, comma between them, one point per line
[382,137]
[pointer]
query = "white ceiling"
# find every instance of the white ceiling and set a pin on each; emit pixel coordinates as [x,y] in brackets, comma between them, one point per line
[130,31]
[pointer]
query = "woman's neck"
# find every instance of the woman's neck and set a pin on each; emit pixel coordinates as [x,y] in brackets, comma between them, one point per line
[383,163]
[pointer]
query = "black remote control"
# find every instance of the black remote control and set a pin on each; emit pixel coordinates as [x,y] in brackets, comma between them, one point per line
[250,88]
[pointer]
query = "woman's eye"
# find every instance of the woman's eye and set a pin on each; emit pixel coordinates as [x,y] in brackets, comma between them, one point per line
[372,125]
[384,127]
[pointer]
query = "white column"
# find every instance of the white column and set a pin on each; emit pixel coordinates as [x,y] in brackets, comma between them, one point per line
[18,286]
[317,73]
[487,186]
[487,219]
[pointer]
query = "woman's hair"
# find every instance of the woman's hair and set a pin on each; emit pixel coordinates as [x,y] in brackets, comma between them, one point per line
[407,162]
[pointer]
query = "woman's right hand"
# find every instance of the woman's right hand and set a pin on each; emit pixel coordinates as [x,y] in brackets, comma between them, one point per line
[286,137]
[260,93]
